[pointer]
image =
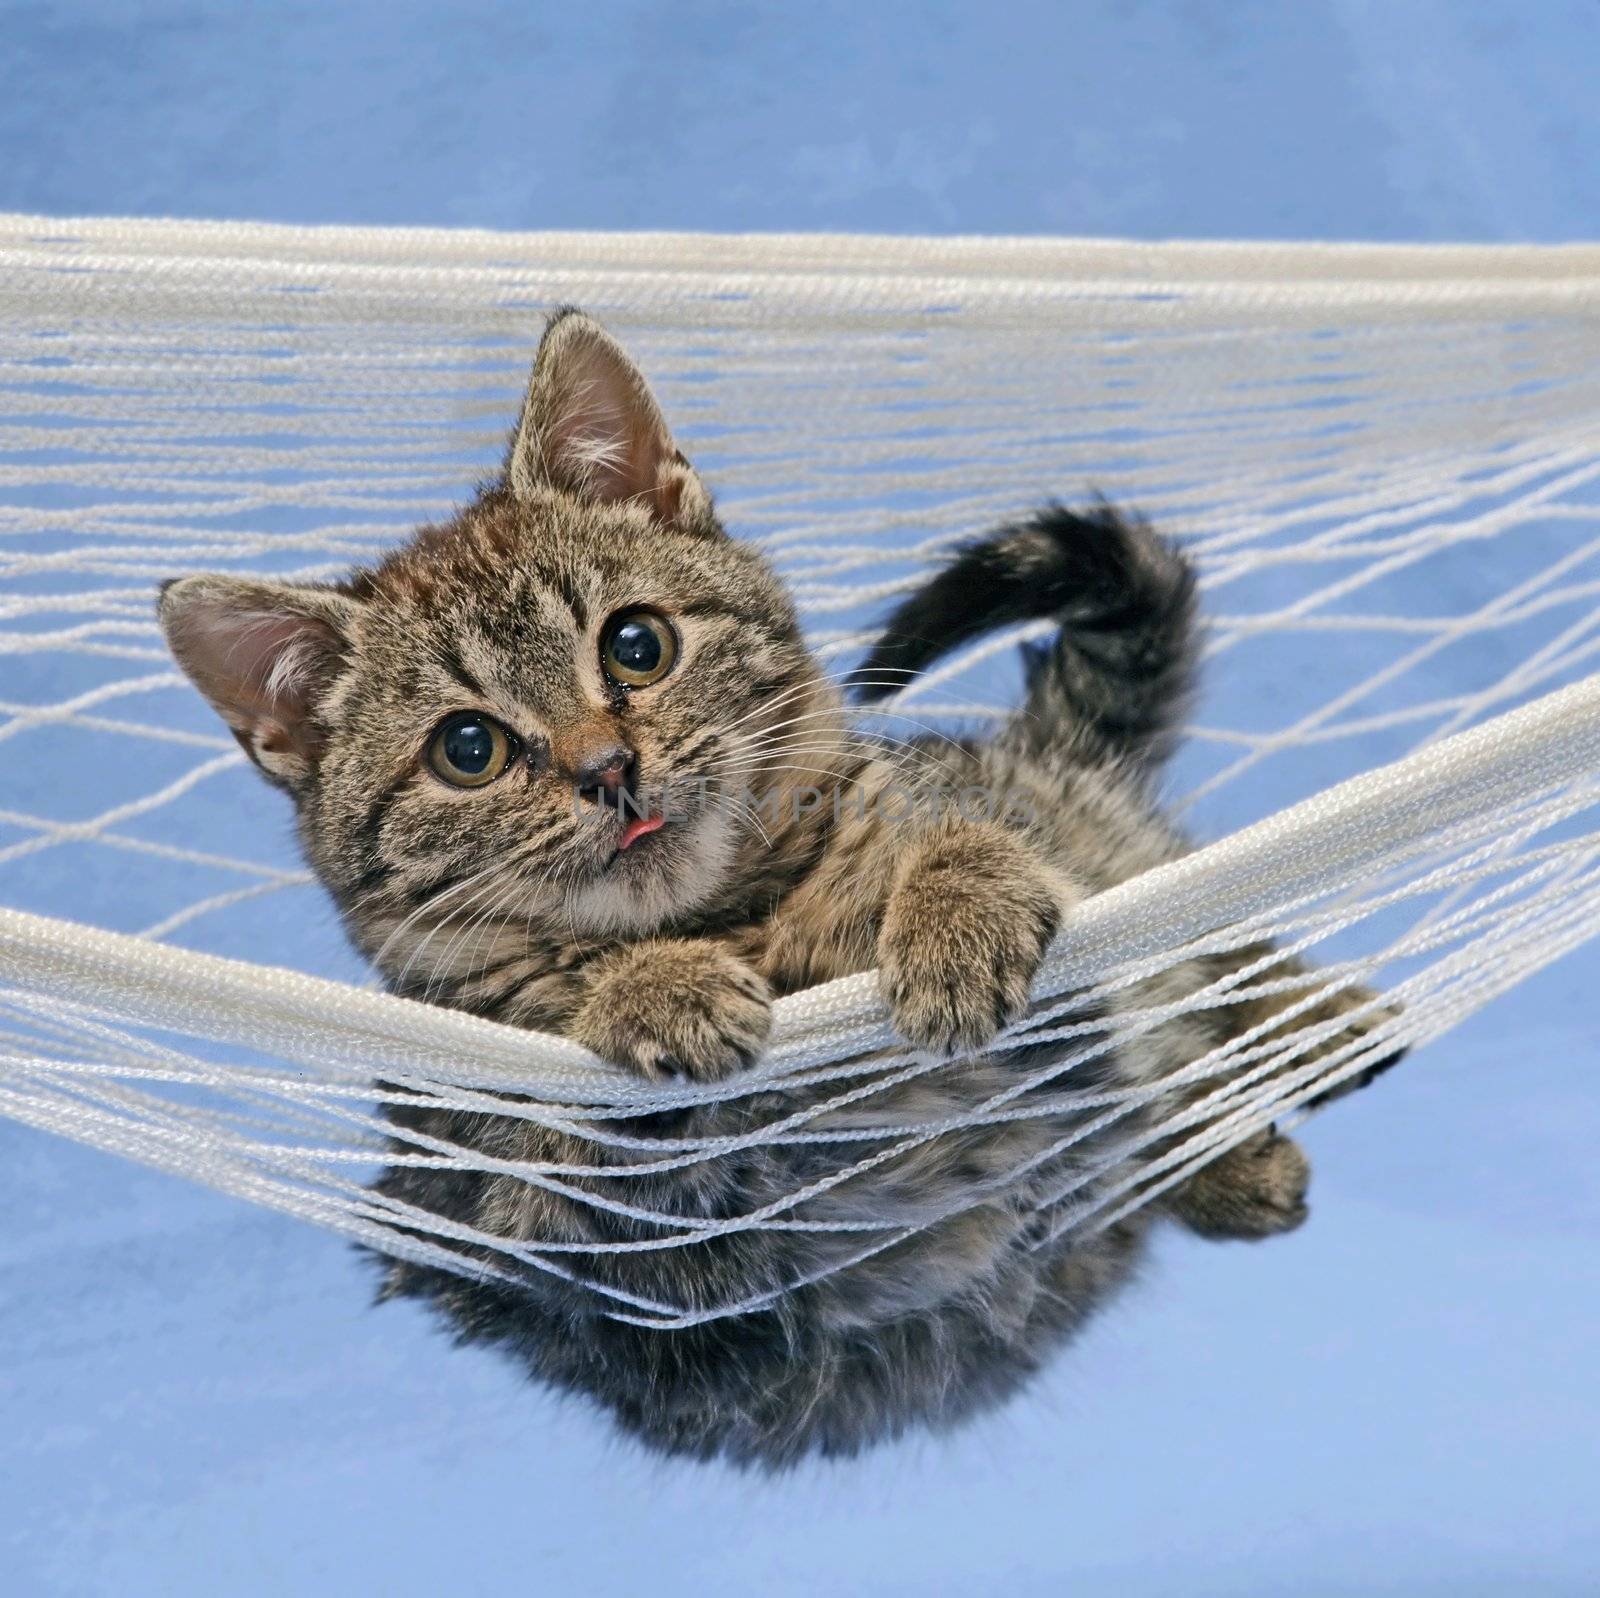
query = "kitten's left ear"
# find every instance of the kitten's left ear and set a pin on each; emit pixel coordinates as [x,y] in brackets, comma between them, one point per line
[591,426]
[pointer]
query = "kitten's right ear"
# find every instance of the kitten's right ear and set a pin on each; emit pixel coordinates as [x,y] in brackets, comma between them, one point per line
[263,653]
[591,426]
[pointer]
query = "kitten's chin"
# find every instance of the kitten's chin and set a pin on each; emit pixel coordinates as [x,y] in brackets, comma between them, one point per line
[661,876]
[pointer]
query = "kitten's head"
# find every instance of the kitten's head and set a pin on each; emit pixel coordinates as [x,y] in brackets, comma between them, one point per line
[459,725]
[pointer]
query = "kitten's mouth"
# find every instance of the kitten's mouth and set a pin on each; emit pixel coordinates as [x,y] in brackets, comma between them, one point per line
[630,840]
[637,828]
[647,867]
[631,829]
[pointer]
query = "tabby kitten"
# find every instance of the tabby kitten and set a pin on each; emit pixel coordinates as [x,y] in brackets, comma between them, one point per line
[461,729]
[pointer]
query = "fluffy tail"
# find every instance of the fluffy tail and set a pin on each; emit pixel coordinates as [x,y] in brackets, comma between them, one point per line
[1119,671]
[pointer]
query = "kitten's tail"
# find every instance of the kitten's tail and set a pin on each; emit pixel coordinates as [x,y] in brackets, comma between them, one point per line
[1120,670]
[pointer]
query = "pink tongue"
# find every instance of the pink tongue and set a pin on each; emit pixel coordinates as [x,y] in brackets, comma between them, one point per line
[638,827]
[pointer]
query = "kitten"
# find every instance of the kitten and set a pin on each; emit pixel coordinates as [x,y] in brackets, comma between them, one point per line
[461,729]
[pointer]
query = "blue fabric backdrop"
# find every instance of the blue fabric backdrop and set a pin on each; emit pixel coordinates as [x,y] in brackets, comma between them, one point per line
[1401,1399]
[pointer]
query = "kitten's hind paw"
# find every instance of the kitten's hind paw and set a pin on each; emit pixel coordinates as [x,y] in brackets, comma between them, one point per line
[1257,1189]
[1362,1079]
[675,1007]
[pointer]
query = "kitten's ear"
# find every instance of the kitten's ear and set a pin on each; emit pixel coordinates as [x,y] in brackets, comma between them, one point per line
[591,426]
[263,653]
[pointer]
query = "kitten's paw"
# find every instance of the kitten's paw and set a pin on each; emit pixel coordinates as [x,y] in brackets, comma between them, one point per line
[968,921]
[1257,1189]
[675,1008]
[1347,1000]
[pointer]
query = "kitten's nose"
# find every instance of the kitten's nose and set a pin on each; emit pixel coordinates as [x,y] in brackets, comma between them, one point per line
[602,773]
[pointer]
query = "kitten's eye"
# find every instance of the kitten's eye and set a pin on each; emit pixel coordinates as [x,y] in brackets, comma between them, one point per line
[638,648]
[469,750]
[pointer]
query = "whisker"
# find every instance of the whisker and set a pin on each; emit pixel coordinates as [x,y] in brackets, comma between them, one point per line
[441,965]
[431,903]
[784,698]
[475,899]
[882,745]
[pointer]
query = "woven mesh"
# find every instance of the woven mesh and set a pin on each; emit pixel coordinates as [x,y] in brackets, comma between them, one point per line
[1397,750]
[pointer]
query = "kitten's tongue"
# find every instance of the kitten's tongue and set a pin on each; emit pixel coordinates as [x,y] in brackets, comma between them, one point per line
[638,827]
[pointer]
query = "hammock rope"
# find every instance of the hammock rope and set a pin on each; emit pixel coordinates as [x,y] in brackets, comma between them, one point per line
[1383,459]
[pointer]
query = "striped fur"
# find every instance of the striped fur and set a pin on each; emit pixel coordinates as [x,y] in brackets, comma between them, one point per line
[512,901]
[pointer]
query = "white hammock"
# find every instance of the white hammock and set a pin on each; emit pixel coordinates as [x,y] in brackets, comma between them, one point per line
[1347,436]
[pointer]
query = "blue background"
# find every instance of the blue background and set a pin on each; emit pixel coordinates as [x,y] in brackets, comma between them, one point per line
[1401,1399]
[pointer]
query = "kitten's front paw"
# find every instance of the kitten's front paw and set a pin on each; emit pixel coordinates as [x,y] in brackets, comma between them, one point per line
[963,933]
[675,1008]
